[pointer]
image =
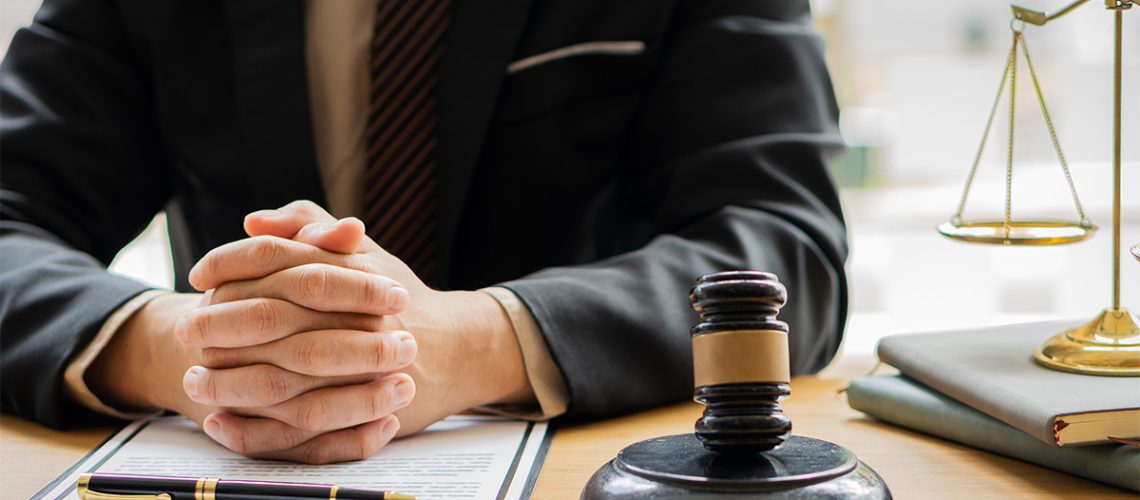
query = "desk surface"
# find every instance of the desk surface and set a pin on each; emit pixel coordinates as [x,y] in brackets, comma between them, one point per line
[914,465]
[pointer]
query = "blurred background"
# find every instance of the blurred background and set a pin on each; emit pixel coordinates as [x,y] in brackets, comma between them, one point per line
[915,81]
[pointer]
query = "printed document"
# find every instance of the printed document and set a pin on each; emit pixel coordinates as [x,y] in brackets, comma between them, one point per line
[462,456]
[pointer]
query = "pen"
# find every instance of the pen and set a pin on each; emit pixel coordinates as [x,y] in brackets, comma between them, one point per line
[121,487]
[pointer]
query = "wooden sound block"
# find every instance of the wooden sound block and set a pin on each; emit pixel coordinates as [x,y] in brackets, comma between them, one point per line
[681,467]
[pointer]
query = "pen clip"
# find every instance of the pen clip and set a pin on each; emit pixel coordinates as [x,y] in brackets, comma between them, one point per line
[86,493]
[98,495]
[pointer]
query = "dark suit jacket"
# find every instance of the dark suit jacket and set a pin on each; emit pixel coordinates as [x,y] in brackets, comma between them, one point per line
[632,175]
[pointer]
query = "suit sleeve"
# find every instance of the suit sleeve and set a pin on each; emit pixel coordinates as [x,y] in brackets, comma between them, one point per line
[726,170]
[82,175]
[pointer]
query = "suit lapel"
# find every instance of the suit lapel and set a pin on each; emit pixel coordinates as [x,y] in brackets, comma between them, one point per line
[272,101]
[479,46]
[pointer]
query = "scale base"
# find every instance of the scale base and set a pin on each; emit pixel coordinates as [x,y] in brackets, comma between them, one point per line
[680,467]
[1107,345]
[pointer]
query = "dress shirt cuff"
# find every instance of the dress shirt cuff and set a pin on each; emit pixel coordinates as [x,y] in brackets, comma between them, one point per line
[73,375]
[545,377]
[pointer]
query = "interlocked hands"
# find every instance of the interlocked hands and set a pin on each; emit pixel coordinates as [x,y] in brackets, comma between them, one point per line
[304,345]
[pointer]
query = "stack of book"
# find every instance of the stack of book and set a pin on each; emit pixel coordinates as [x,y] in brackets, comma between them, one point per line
[981,388]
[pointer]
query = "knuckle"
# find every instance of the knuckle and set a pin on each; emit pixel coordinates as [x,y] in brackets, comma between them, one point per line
[372,292]
[213,263]
[317,454]
[312,354]
[198,326]
[209,387]
[310,415]
[383,353]
[374,405]
[273,386]
[291,437]
[242,444]
[382,401]
[261,317]
[364,444]
[313,281]
[264,249]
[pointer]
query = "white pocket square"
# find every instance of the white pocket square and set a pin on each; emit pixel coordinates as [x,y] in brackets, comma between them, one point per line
[612,48]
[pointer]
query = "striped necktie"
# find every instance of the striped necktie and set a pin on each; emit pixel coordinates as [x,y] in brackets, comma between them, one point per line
[399,192]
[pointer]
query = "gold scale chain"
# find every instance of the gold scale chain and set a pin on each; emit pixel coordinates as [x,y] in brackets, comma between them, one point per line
[1009,62]
[1012,108]
[1053,134]
[1010,74]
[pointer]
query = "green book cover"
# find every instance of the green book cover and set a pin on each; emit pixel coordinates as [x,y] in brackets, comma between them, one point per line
[904,402]
[992,370]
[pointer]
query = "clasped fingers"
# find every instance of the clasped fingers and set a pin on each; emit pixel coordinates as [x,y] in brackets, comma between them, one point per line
[274,439]
[250,322]
[257,385]
[324,353]
[304,402]
[321,287]
[338,407]
[346,406]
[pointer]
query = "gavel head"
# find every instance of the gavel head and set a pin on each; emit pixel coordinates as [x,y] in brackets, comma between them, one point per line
[740,361]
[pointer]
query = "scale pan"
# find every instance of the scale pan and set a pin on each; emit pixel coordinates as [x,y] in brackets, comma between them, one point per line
[1028,233]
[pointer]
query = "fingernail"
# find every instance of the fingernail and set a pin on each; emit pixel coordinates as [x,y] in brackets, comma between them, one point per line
[180,331]
[404,391]
[390,427]
[212,428]
[326,228]
[191,380]
[407,350]
[397,298]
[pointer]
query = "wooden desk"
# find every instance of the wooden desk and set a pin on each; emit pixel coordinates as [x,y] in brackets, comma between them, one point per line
[914,465]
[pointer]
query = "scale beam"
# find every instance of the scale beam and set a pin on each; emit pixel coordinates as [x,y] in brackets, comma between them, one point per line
[1039,18]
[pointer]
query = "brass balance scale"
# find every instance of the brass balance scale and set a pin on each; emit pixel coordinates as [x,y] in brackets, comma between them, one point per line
[1110,343]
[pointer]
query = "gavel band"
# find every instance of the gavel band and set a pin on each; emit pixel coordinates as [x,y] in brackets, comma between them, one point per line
[741,356]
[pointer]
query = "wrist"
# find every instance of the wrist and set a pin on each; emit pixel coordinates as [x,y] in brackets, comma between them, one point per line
[142,365]
[489,340]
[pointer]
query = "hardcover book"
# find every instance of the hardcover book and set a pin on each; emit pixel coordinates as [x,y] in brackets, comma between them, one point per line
[992,370]
[906,403]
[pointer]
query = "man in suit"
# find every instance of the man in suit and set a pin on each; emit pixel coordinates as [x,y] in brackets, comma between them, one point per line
[511,200]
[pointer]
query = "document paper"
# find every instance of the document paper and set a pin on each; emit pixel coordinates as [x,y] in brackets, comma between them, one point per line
[463,456]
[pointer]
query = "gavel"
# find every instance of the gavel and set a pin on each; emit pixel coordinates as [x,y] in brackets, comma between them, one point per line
[743,446]
[740,361]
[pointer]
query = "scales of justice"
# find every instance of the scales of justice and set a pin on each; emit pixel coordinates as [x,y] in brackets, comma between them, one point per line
[1110,343]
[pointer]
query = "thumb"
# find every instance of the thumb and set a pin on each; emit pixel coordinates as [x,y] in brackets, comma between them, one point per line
[286,221]
[342,236]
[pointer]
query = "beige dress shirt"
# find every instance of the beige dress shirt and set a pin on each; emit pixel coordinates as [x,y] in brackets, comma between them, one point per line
[337,41]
